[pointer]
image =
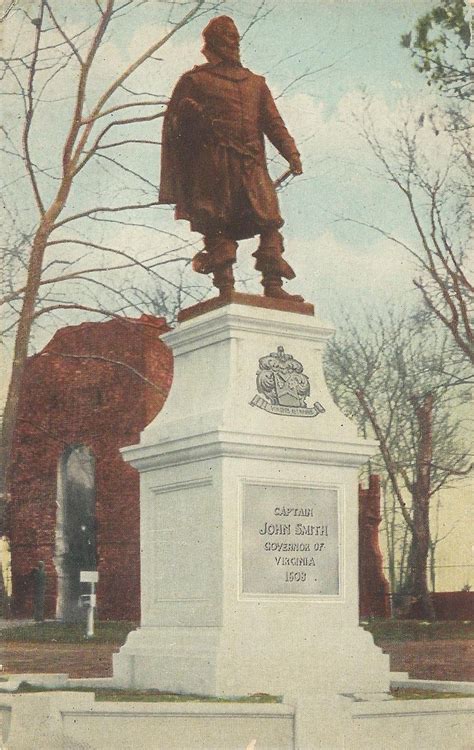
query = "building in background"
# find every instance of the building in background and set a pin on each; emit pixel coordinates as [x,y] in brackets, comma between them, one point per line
[73,502]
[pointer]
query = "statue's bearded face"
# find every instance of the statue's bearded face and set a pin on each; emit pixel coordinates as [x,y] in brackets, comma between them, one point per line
[221,39]
[210,56]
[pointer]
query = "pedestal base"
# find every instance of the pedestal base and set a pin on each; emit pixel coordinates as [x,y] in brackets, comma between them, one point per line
[300,662]
[174,660]
[249,522]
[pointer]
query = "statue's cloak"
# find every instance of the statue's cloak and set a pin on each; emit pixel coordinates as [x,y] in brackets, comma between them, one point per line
[213,165]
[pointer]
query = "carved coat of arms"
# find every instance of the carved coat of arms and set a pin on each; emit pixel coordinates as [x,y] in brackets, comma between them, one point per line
[283,386]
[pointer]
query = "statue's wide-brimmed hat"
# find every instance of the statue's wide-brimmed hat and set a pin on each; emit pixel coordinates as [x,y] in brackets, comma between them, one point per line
[222,37]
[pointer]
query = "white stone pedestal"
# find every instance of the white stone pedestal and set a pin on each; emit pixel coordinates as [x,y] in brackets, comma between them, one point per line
[249,525]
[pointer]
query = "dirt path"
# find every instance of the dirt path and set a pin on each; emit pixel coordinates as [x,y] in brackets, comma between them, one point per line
[433,660]
[437,660]
[86,660]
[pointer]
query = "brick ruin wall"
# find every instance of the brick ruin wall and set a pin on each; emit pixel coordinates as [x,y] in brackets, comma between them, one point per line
[83,389]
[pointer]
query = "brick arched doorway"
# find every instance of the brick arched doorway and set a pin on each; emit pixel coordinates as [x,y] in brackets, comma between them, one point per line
[75,544]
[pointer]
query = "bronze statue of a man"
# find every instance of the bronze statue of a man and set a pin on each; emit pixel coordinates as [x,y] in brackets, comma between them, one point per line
[213,164]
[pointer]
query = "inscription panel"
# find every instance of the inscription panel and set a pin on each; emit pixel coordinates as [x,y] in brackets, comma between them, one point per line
[290,541]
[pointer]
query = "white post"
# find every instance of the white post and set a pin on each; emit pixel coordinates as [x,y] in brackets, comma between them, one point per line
[90,612]
[90,576]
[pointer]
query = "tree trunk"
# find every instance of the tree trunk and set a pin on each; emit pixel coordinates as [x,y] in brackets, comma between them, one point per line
[418,561]
[389,518]
[21,350]
[432,567]
[25,322]
[403,567]
[420,545]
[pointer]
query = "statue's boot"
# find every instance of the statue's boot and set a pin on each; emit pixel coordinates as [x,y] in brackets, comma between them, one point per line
[217,257]
[272,287]
[223,279]
[274,268]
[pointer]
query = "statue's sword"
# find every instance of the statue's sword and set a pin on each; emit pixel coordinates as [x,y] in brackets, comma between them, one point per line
[282,178]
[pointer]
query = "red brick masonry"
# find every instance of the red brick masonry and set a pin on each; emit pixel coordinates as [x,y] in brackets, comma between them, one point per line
[99,385]
[374,600]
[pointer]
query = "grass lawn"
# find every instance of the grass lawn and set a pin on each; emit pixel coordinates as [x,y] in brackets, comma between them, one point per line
[409,694]
[150,696]
[418,630]
[114,632]
[157,696]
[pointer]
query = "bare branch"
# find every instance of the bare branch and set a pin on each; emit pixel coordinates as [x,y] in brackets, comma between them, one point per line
[140,93]
[308,72]
[81,89]
[392,473]
[118,107]
[115,123]
[78,275]
[127,73]
[260,14]
[126,141]
[7,11]
[30,110]
[106,209]
[149,265]
[86,308]
[129,171]
[68,41]
[451,325]
[108,360]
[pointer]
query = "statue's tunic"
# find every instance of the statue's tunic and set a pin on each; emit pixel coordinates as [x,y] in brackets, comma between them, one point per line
[213,164]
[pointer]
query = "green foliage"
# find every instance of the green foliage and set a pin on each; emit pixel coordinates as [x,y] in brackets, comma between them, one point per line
[152,696]
[410,694]
[439,45]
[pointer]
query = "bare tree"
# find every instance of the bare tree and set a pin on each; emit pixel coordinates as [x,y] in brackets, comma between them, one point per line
[97,126]
[396,535]
[436,537]
[390,375]
[427,159]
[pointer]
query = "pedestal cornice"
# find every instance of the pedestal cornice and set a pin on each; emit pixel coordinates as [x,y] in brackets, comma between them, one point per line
[219,443]
[235,320]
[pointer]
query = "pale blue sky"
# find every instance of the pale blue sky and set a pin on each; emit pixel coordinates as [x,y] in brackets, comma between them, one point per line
[356,43]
